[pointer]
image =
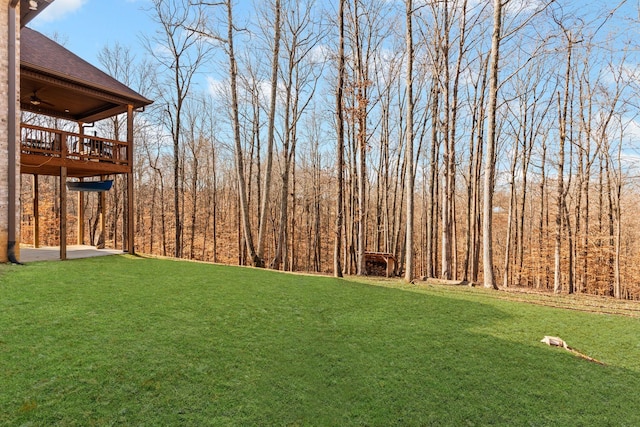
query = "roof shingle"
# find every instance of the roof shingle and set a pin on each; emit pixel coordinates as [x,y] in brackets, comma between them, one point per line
[44,55]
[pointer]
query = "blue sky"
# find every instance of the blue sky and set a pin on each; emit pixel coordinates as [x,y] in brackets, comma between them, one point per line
[86,26]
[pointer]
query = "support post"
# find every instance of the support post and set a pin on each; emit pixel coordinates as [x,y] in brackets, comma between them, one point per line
[36,212]
[81,216]
[80,149]
[130,199]
[102,210]
[63,213]
[13,248]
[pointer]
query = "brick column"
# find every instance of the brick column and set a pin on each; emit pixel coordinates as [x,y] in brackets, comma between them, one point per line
[6,139]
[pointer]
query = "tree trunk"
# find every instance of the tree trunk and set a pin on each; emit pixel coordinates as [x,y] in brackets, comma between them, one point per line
[361,138]
[433,174]
[337,249]
[490,163]
[266,193]
[512,199]
[563,106]
[409,172]
[239,162]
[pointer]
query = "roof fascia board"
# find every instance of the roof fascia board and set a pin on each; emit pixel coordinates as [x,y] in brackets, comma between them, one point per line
[92,90]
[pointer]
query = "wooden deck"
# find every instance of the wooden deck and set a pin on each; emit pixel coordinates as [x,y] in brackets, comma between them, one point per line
[44,151]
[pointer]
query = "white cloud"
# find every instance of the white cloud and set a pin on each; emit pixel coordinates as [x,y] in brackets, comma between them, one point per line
[632,128]
[320,53]
[59,9]
[216,88]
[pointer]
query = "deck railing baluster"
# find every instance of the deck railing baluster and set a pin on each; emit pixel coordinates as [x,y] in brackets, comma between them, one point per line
[73,147]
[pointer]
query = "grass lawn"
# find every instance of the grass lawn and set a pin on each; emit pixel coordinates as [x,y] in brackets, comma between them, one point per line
[133,341]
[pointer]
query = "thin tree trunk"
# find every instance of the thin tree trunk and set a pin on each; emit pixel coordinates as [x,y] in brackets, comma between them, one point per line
[194,203]
[563,106]
[512,200]
[266,193]
[361,101]
[239,162]
[448,153]
[409,172]
[433,173]
[477,173]
[490,165]
[541,224]
[337,249]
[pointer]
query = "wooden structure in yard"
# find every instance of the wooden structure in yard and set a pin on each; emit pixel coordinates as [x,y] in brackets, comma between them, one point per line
[56,83]
[380,264]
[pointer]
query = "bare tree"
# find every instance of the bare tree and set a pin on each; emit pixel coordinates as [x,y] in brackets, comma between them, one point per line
[490,161]
[262,223]
[409,168]
[563,104]
[300,78]
[337,267]
[185,52]
[239,162]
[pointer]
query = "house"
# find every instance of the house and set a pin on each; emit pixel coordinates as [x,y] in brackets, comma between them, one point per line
[42,77]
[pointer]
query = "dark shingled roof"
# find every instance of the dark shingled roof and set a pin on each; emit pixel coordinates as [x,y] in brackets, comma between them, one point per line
[41,54]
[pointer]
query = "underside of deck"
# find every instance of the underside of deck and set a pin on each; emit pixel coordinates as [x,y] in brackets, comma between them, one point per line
[36,164]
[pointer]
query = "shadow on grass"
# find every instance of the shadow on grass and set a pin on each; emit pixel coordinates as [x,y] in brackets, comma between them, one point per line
[158,342]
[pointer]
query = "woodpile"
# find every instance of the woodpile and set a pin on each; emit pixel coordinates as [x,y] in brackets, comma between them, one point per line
[380,264]
[375,268]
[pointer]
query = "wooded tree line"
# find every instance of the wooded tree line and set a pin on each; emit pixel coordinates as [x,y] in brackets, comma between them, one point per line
[479,141]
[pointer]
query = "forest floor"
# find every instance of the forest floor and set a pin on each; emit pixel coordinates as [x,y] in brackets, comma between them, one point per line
[598,304]
[578,301]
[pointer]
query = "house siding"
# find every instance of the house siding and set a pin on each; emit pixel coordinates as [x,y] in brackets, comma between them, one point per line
[5,138]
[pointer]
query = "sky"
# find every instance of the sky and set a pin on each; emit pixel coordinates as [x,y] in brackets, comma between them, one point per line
[86,26]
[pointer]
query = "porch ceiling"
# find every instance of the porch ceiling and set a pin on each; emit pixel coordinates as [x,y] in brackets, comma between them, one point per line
[27,13]
[43,95]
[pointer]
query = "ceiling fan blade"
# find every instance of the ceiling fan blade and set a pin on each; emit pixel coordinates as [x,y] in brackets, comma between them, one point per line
[35,100]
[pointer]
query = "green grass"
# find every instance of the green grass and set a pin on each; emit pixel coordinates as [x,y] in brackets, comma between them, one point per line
[131,341]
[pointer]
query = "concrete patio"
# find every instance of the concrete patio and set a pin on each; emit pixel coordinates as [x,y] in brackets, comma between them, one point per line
[52,253]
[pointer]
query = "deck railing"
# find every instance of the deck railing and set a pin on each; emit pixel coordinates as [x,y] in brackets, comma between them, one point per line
[73,146]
